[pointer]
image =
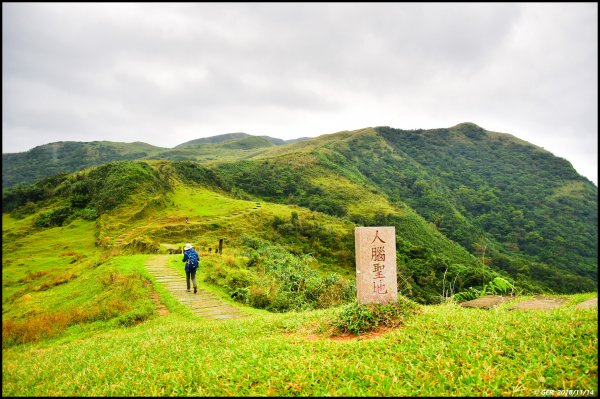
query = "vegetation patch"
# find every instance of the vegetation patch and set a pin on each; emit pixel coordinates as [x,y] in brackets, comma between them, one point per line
[498,286]
[49,301]
[358,319]
[267,276]
[142,244]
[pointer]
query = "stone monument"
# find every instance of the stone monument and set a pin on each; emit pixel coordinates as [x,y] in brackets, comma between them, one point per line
[376,264]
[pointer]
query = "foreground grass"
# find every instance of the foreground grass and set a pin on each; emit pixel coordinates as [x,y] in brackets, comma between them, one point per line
[447,350]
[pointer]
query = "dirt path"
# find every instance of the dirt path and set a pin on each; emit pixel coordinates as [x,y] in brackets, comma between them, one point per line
[487,302]
[535,303]
[203,304]
[590,303]
[539,303]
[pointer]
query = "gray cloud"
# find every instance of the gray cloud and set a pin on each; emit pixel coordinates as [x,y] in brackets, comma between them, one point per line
[168,73]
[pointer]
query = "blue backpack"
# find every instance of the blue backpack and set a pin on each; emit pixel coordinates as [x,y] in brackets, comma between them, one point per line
[192,261]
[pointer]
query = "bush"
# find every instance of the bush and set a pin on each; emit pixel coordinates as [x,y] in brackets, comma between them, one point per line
[498,286]
[55,217]
[337,291]
[285,282]
[88,214]
[24,210]
[258,297]
[143,244]
[468,295]
[357,319]
[241,294]
[113,183]
[238,281]
[193,172]
[135,316]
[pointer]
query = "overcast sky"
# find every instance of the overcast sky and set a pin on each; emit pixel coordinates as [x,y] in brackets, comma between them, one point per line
[168,73]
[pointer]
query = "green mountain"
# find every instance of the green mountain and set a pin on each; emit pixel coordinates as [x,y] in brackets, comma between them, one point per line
[231,137]
[523,210]
[467,204]
[71,156]
[67,156]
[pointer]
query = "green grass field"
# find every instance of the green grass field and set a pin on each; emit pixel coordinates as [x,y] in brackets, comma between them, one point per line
[445,351]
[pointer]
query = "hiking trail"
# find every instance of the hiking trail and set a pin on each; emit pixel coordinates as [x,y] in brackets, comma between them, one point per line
[539,302]
[203,304]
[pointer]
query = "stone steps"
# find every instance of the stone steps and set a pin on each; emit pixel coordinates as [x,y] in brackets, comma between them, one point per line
[202,304]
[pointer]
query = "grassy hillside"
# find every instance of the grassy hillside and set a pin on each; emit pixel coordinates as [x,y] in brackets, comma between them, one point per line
[232,137]
[446,351]
[539,227]
[310,219]
[92,313]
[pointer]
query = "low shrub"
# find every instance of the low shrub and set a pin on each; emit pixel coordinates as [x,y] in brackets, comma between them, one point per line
[88,214]
[258,297]
[37,327]
[57,280]
[337,291]
[55,217]
[135,316]
[238,279]
[468,295]
[121,299]
[25,210]
[357,319]
[32,276]
[33,328]
[142,245]
[498,286]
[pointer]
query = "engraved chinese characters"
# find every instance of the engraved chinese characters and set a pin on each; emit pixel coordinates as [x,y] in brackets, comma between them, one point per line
[376,264]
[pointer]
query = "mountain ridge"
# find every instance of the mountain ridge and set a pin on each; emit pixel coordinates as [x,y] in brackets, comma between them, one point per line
[510,204]
[70,156]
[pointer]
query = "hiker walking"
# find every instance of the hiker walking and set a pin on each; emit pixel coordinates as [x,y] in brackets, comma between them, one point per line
[191,259]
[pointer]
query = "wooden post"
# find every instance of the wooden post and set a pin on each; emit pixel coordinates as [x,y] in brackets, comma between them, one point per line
[221,245]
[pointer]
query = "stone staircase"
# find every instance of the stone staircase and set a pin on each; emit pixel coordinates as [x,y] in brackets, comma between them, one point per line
[203,304]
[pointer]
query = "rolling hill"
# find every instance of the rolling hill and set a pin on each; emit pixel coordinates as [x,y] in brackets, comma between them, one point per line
[71,156]
[467,204]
